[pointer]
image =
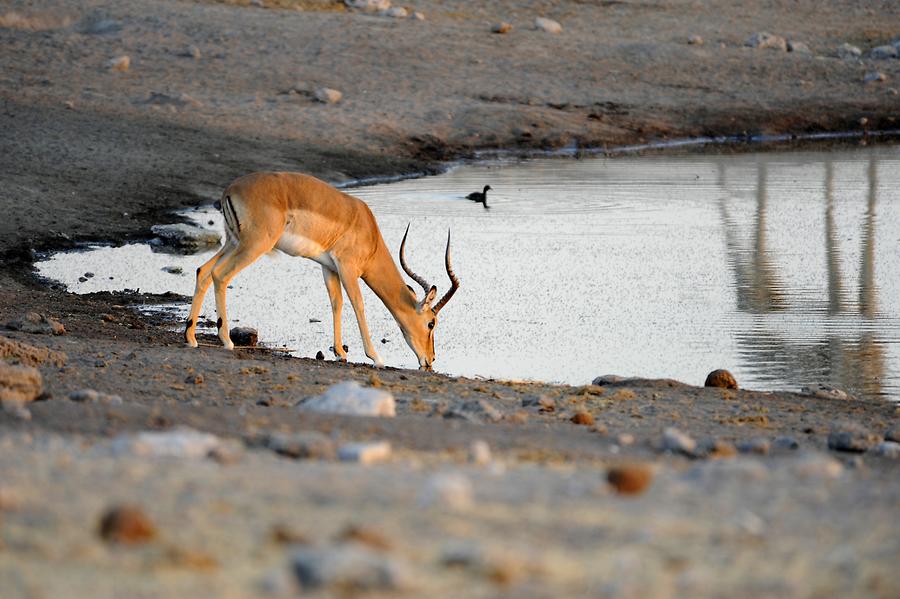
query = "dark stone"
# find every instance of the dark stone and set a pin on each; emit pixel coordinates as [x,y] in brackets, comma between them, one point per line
[720,378]
[244,336]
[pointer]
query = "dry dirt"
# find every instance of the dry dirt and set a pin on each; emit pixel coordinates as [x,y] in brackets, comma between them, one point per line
[89,153]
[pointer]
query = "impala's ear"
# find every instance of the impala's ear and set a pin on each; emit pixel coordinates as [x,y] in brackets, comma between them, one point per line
[429,297]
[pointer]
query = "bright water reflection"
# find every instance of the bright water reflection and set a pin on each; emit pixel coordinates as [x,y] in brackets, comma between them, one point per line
[780,267]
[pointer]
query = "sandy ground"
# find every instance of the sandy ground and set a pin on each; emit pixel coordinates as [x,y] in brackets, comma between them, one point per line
[90,153]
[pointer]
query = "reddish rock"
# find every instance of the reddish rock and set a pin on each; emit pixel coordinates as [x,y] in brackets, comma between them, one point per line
[584,418]
[126,524]
[630,479]
[720,378]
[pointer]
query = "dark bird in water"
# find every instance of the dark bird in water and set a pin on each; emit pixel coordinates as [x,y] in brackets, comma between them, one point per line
[479,196]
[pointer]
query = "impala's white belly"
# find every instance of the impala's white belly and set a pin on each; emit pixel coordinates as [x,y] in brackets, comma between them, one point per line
[294,243]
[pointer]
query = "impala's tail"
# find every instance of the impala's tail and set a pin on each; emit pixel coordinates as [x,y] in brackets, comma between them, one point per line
[232,223]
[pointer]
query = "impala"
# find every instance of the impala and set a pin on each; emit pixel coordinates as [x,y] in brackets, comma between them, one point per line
[303,216]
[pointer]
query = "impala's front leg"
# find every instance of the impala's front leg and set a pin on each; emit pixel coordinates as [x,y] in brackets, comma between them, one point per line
[204,279]
[333,285]
[350,281]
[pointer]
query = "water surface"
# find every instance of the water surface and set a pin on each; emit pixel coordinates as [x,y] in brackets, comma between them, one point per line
[780,267]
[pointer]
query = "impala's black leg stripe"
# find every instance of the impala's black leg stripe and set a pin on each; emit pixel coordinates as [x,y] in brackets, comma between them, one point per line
[219,324]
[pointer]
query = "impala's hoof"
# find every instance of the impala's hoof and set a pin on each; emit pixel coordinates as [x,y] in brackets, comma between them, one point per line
[191,343]
[228,345]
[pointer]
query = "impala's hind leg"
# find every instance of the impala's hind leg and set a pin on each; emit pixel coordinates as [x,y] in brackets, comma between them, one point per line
[230,264]
[203,281]
[333,284]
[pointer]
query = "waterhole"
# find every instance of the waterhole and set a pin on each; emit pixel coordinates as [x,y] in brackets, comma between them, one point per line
[781,267]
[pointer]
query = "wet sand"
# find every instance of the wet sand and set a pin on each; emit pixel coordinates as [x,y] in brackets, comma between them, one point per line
[173,129]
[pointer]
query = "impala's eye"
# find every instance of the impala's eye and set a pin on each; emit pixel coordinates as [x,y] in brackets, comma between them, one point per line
[431,325]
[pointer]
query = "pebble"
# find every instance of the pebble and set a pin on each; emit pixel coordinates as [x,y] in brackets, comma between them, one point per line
[501,567]
[418,16]
[365,453]
[720,378]
[817,465]
[126,524]
[544,403]
[887,449]
[181,442]
[396,12]
[883,52]
[851,436]
[785,443]
[97,26]
[244,336]
[326,95]
[35,323]
[625,439]
[186,237]
[369,5]
[757,445]
[473,410]
[608,379]
[92,396]
[194,379]
[193,52]
[479,452]
[352,399]
[548,25]
[848,52]
[825,392]
[893,434]
[717,448]
[630,479]
[349,566]
[798,47]
[764,39]
[501,27]
[874,77]
[365,536]
[119,64]
[450,490]
[320,355]
[301,445]
[678,442]
[172,270]
[695,40]
[582,418]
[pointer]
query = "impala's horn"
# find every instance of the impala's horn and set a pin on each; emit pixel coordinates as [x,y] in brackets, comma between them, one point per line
[454,282]
[425,286]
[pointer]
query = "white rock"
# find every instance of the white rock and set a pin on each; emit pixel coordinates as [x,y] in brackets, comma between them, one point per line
[186,236]
[181,442]
[365,453]
[764,39]
[119,64]
[848,51]
[825,392]
[480,452]
[447,490]
[349,566]
[883,52]
[326,95]
[887,449]
[548,25]
[695,40]
[396,12]
[676,441]
[418,16]
[369,5]
[816,465]
[350,398]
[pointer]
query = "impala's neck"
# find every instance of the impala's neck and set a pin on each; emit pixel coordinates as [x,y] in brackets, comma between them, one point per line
[383,278]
